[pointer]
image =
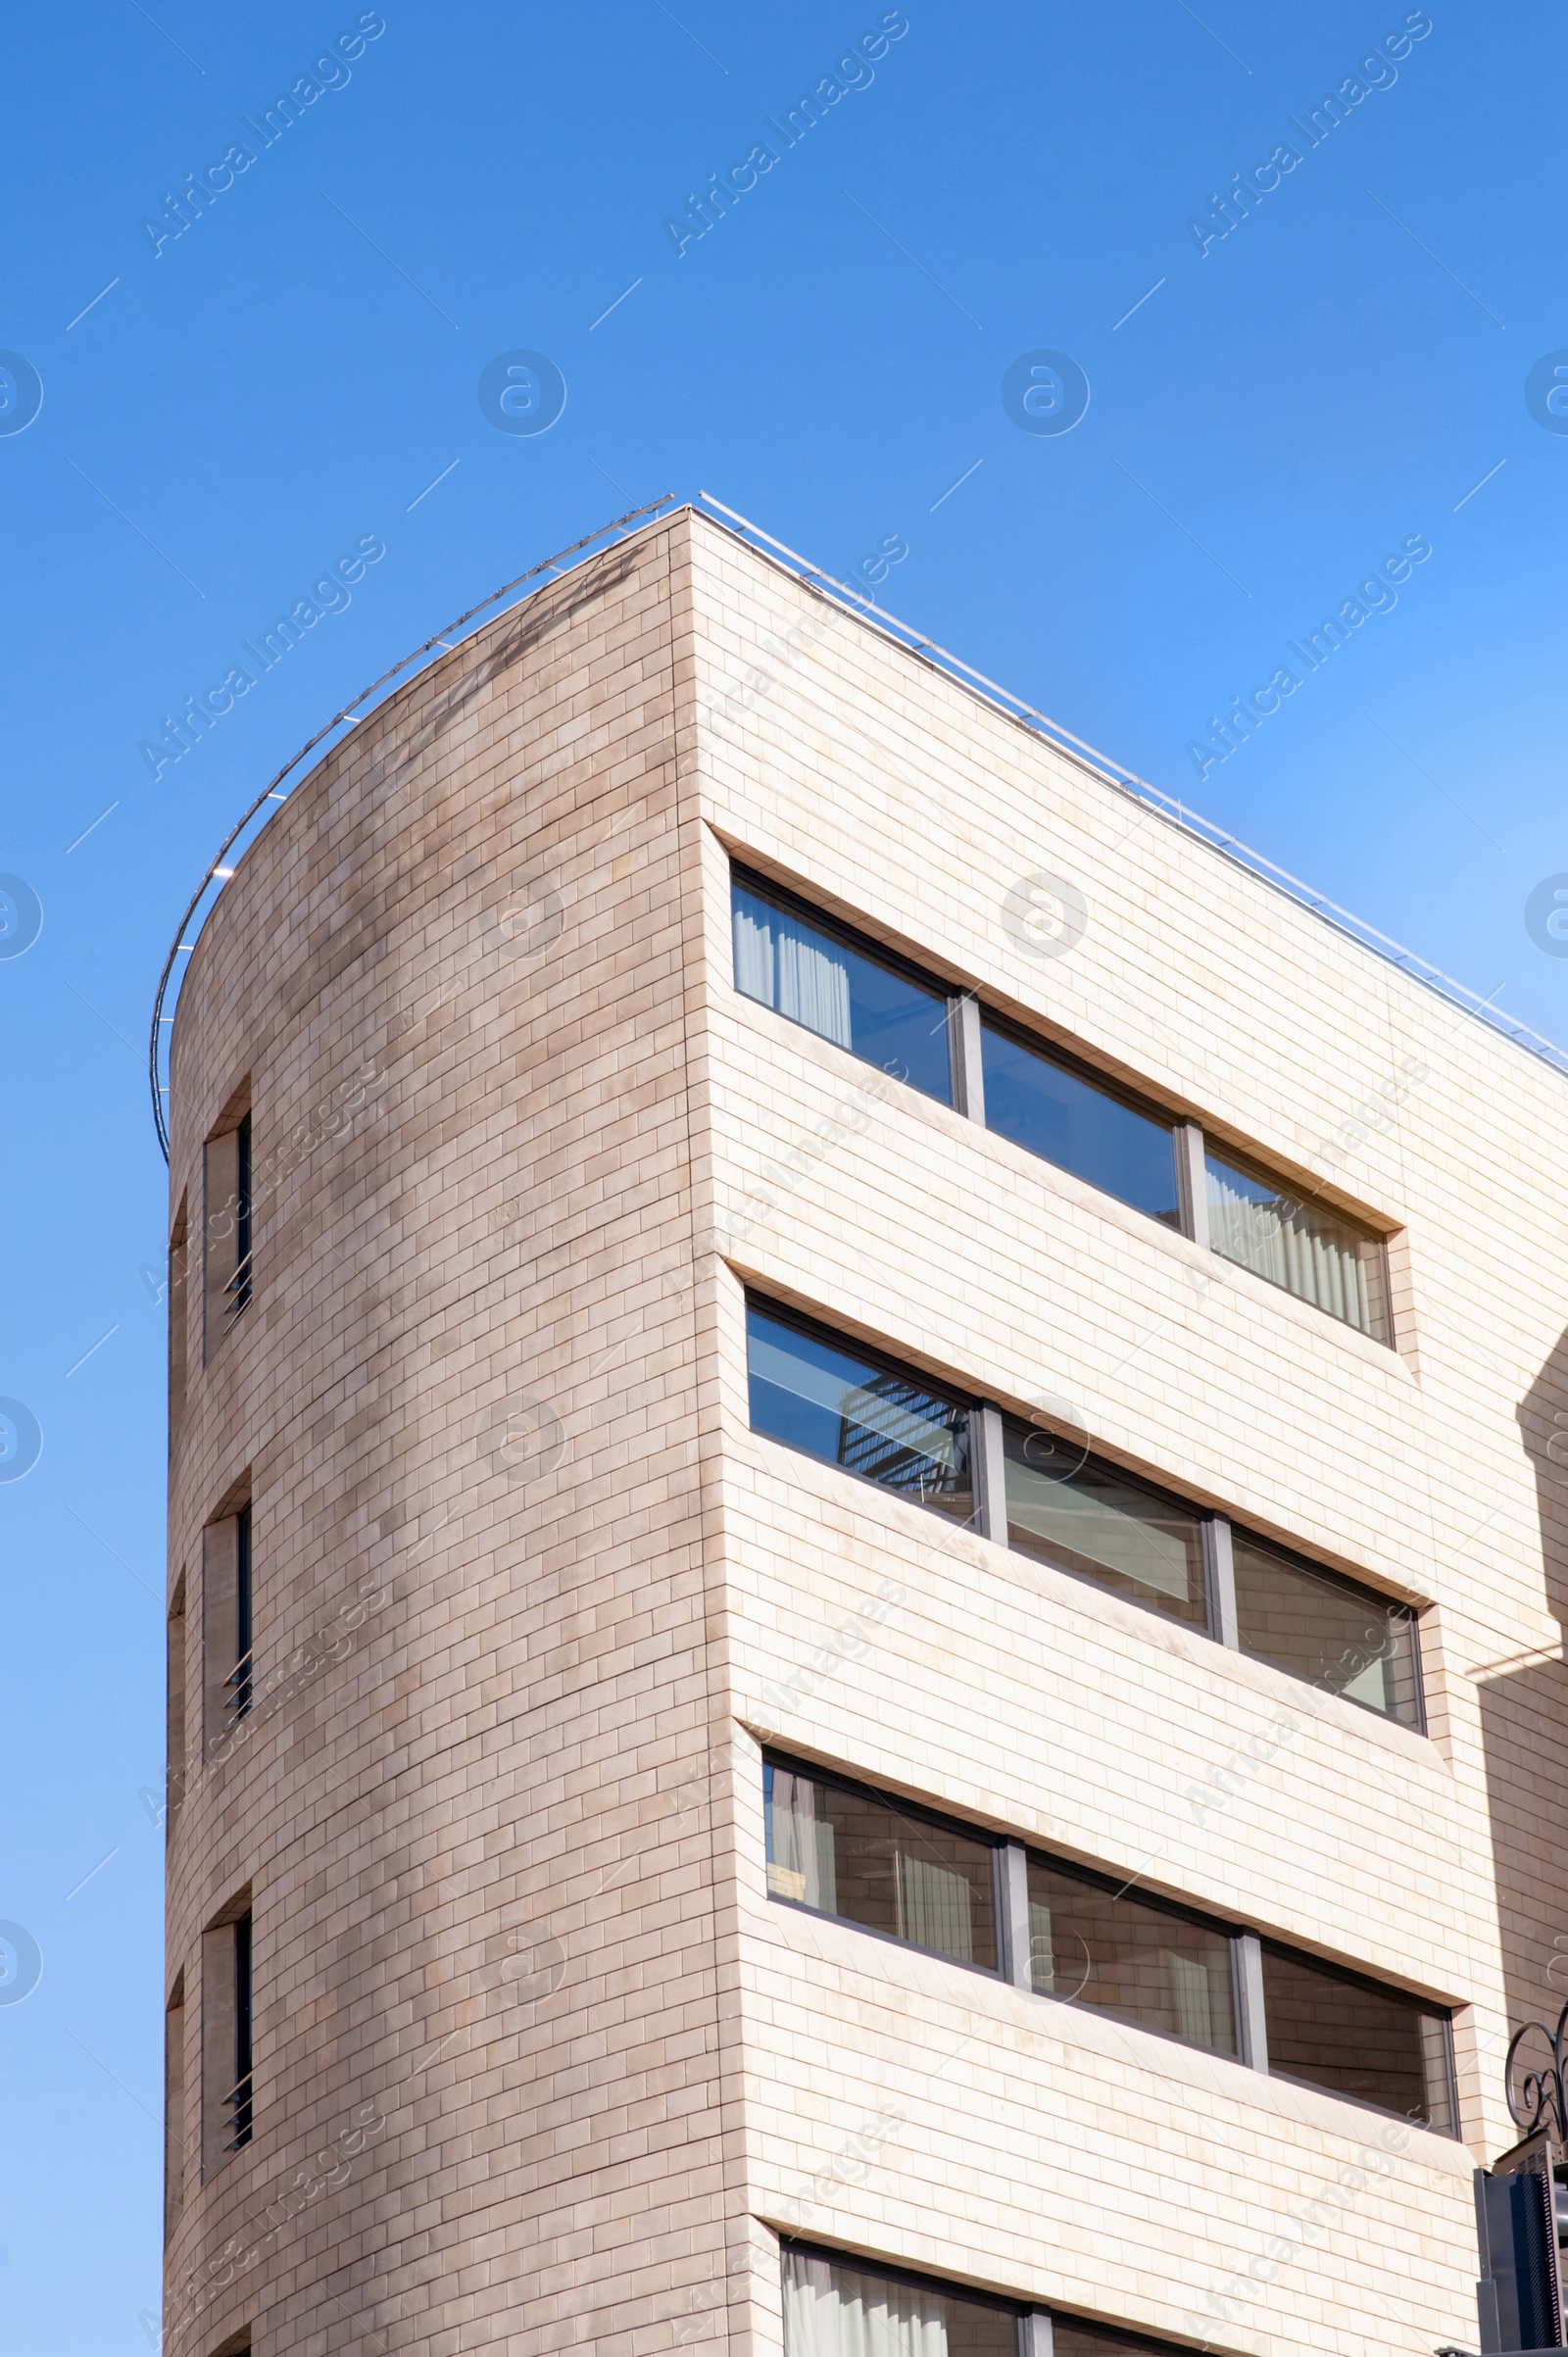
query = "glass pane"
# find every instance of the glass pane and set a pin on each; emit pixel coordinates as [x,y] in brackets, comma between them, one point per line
[1130,1958]
[863,1860]
[832,2311]
[841,994]
[1374,2044]
[854,1413]
[1098,1523]
[1042,1106]
[1071,2338]
[1315,1256]
[1351,1642]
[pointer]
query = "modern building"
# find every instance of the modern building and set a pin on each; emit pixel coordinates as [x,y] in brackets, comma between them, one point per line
[868,1527]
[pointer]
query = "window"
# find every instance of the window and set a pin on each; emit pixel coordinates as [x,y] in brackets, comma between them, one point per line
[1255,1221]
[1326,1630]
[175,1724]
[1052,1103]
[227,1221]
[831,2310]
[228,2013]
[1049,1106]
[1131,1957]
[842,1852]
[874,1418]
[178,1296]
[1356,2038]
[806,968]
[226,1626]
[175,2106]
[1083,1938]
[1090,1519]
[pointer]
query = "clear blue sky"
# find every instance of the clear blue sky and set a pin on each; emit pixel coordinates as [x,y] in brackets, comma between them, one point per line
[1290,406]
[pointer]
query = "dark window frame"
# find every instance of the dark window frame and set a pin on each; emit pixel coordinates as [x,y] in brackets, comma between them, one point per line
[1079,1067]
[863,945]
[813,1330]
[1386,1990]
[243,2100]
[1232,1934]
[922,1815]
[945,2288]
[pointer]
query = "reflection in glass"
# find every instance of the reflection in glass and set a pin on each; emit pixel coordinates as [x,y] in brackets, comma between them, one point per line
[1043,1106]
[833,2311]
[868,1862]
[1093,1521]
[872,1420]
[1309,1252]
[1130,1957]
[1374,2044]
[1337,1637]
[803,972]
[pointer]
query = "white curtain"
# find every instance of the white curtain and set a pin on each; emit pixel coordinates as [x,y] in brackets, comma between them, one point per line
[936,1906]
[800,1845]
[1198,2017]
[1310,1255]
[837,2312]
[792,969]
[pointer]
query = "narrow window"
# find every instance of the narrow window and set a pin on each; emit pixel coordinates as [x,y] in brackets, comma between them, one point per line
[175,1729]
[869,1415]
[1320,1258]
[1334,1635]
[175,2107]
[177,1295]
[1090,1519]
[228,2011]
[842,1852]
[1051,1106]
[831,2310]
[1356,2038]
[239,1284]
[227,1585]
[240,2099]
[1131,1957]
[807,968]
[227,1203]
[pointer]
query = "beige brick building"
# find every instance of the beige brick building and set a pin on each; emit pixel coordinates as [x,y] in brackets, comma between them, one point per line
[865,1554]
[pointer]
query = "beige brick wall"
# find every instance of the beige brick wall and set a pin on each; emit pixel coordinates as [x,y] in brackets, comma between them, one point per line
[538,2066]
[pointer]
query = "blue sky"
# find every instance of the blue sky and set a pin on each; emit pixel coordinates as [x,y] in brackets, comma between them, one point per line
[1272,414]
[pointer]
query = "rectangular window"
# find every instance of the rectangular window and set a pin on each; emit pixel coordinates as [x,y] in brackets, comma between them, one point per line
[1047,1105]
[239,2104]
[175,2107]
[239,1677]
[1354,2038]
[239,1284]
[842,1852]
[1131,1957]
[804,967]
[228,1590]
[1102,1525]
[1257,1221]
[178,1302]
[227,1221]
[1323,1630]
[175,1703]
[831,2310]
[866,1415]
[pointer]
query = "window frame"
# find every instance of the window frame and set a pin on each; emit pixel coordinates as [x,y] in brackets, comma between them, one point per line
[1190,1143]
[954,1396]
[1335,1971]
[922,1815]
[1246,1996]
[751,879]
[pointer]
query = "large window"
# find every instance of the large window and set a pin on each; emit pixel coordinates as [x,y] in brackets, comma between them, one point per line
[1356,2038]
[1092,1520]
[834,2307]
[1050,1102]
[804,967]
[843,1853]
[1262,1225]
[866,1415]
[1326,1630]
[1046,1104]
[1087,1939]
